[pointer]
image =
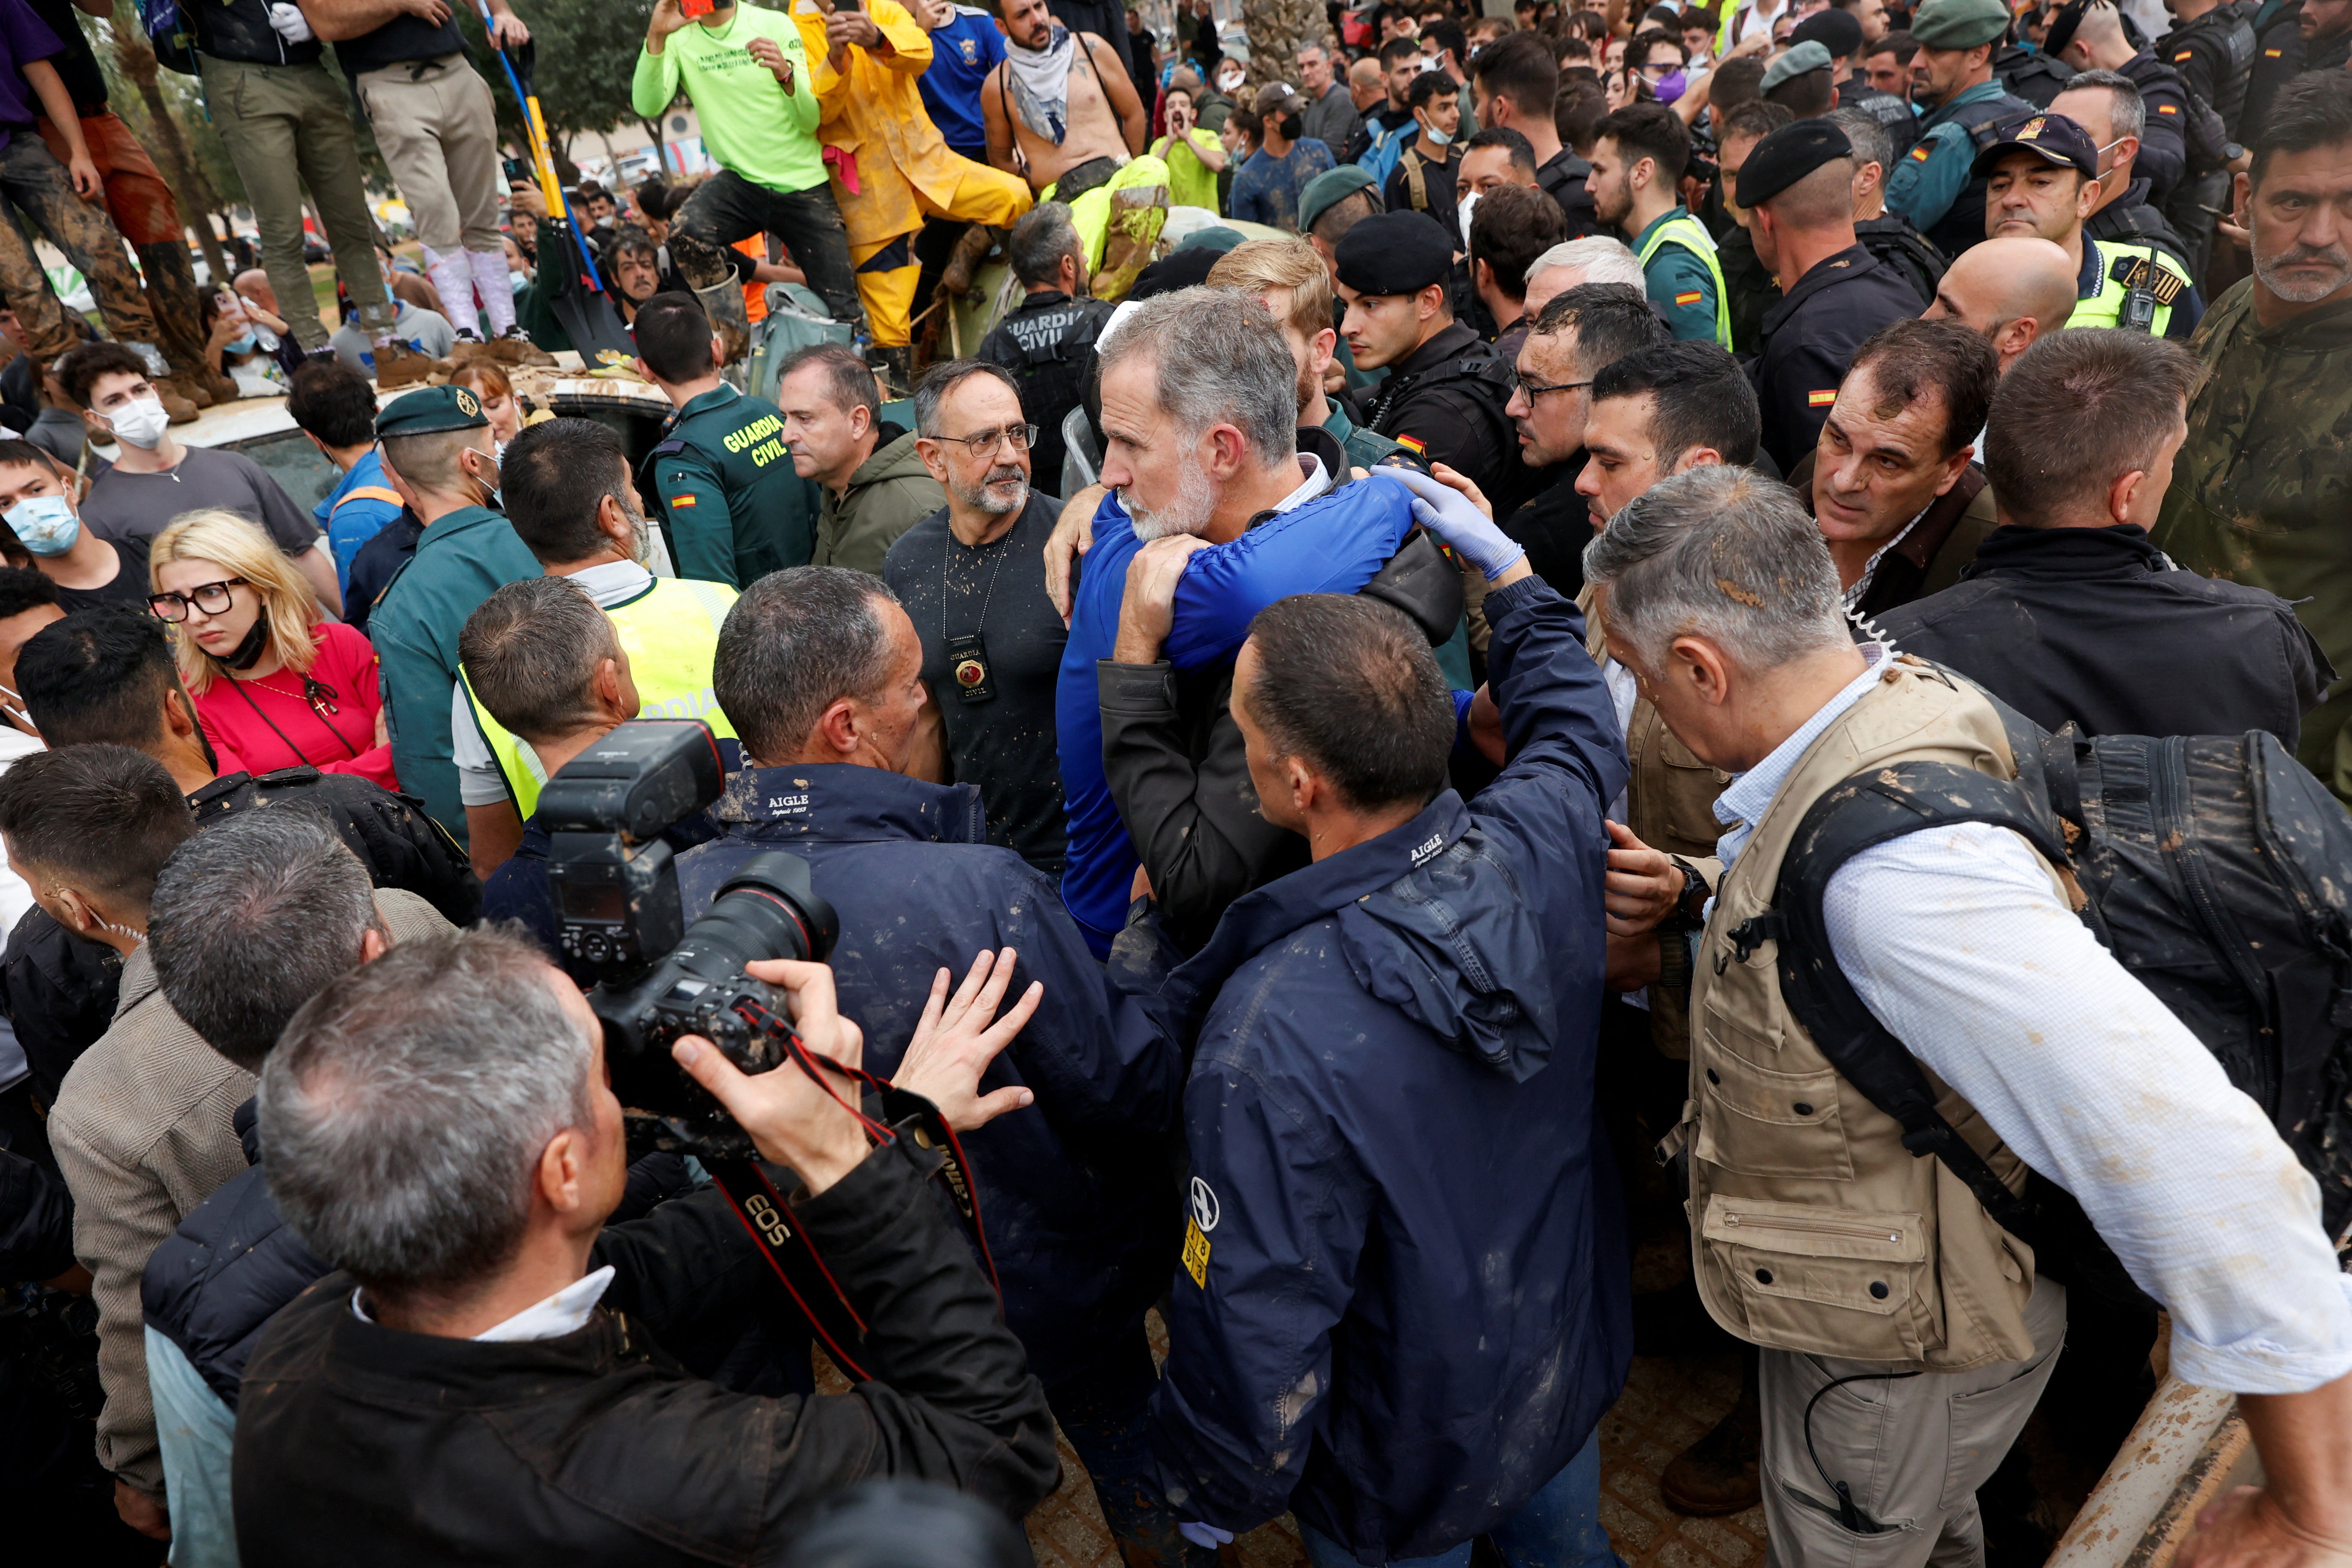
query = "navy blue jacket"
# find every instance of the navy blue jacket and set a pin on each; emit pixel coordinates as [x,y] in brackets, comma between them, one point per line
[1077,1207]
[1403,1304]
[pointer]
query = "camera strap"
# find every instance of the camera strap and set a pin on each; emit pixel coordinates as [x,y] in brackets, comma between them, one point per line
[794,1259]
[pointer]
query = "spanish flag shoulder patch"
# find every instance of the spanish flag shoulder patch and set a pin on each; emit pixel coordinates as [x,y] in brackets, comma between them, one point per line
[2184,55]
[2168,109]
[1821,399]
[1919,153]
[1690,297]
[677,502]
[2272,54]
[1413,444]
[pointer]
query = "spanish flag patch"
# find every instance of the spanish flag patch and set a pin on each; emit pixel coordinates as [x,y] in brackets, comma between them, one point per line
[1919,154]
[1692,298]
[1821,399]
[2270,54]
[2168,109]
[2184,55]
[677,502]
[1414,445]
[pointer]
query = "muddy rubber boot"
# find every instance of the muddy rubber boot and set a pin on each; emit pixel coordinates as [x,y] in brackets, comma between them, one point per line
[965,261]
[894,368]
[177,410]
[397,365]
[514,347]
[1722,1472]
[707,272]
[189,388]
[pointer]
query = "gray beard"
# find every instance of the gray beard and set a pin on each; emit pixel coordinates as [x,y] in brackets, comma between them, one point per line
[2269,268]
[1187,512]
[980,496]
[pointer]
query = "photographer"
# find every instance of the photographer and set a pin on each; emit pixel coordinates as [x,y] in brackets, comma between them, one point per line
[821,672]
[439,1127]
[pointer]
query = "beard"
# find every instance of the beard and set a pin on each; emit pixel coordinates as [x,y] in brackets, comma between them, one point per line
[986,496]
[2271,270]
[1309,383]
[1187,512]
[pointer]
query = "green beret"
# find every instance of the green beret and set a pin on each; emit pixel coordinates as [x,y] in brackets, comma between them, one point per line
[1959,23]
[430,412]
[1808,56]
[1328,189]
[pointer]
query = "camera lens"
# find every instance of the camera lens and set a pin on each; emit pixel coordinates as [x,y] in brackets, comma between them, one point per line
[765,911]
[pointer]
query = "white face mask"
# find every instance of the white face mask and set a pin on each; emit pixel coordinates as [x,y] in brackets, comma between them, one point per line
[140,422]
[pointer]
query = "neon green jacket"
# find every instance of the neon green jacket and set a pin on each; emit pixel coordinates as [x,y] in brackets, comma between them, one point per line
[752,126]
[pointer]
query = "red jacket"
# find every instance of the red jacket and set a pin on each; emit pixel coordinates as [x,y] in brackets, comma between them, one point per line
[263,725]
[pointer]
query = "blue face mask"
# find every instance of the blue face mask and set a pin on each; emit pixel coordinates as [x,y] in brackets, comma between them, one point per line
[241,344]
[46,525]
[1670,85]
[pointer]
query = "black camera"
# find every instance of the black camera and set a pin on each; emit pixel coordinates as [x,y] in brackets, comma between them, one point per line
[614,876]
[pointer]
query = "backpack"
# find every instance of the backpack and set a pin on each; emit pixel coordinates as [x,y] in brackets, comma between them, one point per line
[2209,866]
[170,34]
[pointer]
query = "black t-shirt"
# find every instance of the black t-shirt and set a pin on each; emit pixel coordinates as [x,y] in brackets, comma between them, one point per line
[77,66]
[129,585]
[401,39]
[1005,745]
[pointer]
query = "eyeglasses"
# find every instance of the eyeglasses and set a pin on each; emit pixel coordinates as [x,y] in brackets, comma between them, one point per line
[1535,389]
[212,598]
[1022,436]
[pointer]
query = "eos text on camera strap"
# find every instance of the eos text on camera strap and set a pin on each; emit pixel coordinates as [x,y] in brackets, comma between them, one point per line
[765,1212]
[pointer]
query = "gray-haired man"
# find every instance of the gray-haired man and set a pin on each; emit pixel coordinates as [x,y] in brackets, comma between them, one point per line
[1906,1336]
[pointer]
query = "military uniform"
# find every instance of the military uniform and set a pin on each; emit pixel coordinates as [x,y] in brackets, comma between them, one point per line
[2280,56]
[2214,56]
[1932,188]
[722,479]
[2032,75]
[1809,338]
[2163,158]
[1677,257]
[2260,492]
[1046,343]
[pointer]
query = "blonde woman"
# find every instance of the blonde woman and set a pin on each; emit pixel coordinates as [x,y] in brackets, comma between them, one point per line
[275,684]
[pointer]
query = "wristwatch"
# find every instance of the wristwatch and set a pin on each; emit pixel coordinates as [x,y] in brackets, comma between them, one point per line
[1690,904]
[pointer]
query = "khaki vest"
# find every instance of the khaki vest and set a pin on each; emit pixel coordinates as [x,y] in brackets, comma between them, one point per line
[1812,1228]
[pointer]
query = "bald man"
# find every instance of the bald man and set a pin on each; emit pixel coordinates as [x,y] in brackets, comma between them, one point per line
[2011,290]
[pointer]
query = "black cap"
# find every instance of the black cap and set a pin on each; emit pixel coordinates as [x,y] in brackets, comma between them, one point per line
[1395,253]
[1788,155]
[1840,32]
[2058,140]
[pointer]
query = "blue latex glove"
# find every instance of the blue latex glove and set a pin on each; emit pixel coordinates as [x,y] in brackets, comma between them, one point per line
[1207,1537]
[1456,518]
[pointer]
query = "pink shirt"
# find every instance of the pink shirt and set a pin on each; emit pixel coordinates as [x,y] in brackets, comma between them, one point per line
[263,725]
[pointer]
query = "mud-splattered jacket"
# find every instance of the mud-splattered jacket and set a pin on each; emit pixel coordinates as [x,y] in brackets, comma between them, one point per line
[1076,1208]
[2262,493]
[1402,1302]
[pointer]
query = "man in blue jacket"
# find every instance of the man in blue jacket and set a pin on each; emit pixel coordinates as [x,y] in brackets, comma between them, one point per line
[820,672]
[1404,1302]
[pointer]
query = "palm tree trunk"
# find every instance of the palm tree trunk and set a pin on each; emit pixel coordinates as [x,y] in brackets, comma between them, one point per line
[1277,28]
[196,193]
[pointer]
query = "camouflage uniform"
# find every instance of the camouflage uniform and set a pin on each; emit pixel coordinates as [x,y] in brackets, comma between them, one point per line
[2261,491]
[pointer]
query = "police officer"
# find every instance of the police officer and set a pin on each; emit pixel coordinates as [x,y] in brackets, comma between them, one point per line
[437,444]
[1048,340]
[2108,107]
[1932,187]
[1445,392]
[2118,285]
[1639,155]
[1798,188]
[1840,33]
[2037,76]
[2290,39]
[568,499]
[2211,46]
[2091,38]
[732,508]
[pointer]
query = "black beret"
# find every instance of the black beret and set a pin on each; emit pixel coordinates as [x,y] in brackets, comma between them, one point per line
[1186,267]
[1788,155]
[1395,253]
[1840,32]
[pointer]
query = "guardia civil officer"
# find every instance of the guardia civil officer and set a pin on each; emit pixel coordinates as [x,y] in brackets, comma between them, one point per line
[1952,80]
[1445,392]
[1796,186]
[2040,178]
[437,444]
[732,508]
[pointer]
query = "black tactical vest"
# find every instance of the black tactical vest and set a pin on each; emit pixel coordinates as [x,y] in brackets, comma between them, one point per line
[1963,223]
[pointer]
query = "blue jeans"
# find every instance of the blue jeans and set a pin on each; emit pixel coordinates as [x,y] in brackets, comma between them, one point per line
[1560,1527]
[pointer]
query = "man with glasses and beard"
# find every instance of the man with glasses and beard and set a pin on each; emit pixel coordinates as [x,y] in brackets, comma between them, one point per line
[2258,488]
[971,578]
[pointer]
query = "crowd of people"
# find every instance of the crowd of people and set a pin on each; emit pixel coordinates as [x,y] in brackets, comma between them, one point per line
[1324,744]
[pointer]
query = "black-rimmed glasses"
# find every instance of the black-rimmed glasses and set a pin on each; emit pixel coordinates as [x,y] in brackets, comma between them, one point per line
[212,598]
[1532,390]
[1022,436]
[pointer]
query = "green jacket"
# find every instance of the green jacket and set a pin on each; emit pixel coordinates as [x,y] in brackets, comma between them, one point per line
[1365,448]
[460,561]
[731,504]
[890,493]
[2261,492]
[1686,284]
[752,126]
